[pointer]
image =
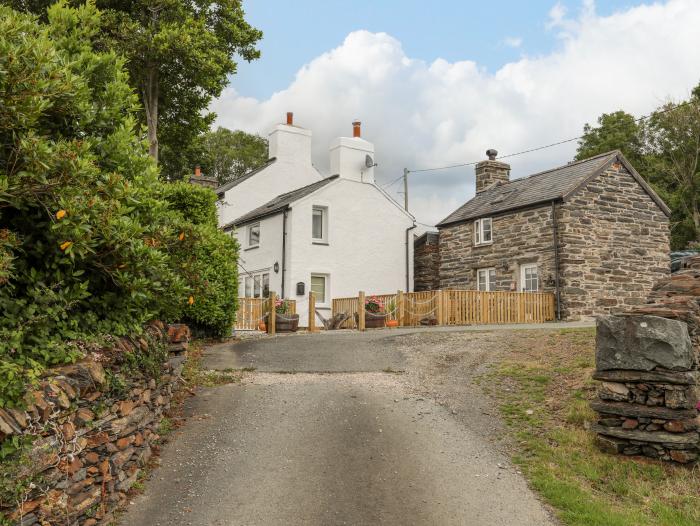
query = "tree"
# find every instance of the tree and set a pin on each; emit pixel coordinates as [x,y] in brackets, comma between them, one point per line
[615,131]
[179,56]
[91,244]
[665,150]
[229,154]
[674,148]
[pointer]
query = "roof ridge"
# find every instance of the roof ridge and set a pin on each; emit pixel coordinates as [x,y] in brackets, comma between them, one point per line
[572,163]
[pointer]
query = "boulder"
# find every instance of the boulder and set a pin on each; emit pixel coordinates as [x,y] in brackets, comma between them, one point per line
[643,343]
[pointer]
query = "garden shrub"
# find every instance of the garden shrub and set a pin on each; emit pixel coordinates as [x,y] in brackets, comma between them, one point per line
[91,241]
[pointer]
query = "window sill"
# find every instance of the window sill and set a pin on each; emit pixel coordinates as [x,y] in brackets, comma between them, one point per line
[251,248]
[489,243]
[322,243]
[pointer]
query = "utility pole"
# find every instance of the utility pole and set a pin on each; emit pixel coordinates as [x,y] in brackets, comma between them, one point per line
[405,188]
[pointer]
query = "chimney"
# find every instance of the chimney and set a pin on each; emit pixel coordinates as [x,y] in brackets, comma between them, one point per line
[353,157]
[491,172]
[197,171]
[289,143]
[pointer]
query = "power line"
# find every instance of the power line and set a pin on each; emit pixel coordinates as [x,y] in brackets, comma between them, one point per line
[557,143]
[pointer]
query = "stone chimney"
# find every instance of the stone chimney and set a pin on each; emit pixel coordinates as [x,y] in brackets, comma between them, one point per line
[288,142]
[491,172]
[353,157]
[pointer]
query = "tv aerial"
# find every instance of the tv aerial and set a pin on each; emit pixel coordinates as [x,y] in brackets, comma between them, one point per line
[369,162]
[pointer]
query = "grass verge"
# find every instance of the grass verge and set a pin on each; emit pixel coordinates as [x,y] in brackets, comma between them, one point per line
[543,386]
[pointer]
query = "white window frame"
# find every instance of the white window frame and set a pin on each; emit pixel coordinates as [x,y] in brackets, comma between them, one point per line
[326,289]
[324,224]
[523,272]
[249,232]
[488,271]
[479,230]
[255,284]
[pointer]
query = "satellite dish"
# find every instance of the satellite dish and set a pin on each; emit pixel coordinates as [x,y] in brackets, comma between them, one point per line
[369,162]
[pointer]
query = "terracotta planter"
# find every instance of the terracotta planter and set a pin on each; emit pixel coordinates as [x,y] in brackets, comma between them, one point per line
[392,323]
[286,322]
[373,320]
[262,327]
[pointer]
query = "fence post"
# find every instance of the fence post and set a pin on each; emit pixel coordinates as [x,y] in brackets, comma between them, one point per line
[521,307]
[400,299]
[361,311]
[312,312]
[440,314]
[273,313]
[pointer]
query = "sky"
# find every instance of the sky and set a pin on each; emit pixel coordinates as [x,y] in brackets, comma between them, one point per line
[437,84]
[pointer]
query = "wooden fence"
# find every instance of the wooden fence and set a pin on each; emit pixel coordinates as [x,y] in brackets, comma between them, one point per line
[251,311]
[456,307]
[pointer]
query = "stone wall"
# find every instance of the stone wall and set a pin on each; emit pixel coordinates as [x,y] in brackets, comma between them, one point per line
[426,261]
[648,395]
[614,245]
[520,237]
[92,438]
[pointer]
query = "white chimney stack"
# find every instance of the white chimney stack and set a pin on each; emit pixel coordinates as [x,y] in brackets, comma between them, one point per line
[353,157]
[290,143]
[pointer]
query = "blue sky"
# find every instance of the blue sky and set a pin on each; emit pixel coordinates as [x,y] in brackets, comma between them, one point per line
[438,84]
[295,32]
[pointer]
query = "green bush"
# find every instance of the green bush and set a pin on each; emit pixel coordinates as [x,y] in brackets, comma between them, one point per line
[91,243]
[207,259]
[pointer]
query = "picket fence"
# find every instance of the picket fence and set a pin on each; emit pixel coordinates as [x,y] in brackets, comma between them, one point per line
[456,307]
[252,310]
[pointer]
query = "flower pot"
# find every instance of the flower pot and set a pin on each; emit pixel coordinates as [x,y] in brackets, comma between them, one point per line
[262,327]
[392,323]
[286,322]
[373,320]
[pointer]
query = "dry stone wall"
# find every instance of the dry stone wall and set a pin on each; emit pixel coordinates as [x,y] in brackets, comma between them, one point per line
[647,361]
[426,256]
[89,445]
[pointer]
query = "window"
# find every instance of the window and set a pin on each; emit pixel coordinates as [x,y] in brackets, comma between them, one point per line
[254,235]
[486,279]
[529,278]
[257,285]
[482,231]
[319,224]
[318,287]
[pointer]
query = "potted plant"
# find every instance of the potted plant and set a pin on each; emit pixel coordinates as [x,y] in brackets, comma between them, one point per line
[375,316]
[285,321]
[391,307]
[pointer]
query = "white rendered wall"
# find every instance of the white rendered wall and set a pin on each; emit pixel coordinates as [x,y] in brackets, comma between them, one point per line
[348,159]
[262,258]
[292,169]
[366,244]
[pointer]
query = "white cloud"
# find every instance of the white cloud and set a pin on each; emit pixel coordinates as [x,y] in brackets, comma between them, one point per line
[513,41]
[422,114]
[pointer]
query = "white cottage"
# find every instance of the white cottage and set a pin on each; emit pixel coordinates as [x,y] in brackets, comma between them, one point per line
[299,231]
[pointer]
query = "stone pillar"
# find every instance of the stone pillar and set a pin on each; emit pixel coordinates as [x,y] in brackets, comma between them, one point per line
[649,388]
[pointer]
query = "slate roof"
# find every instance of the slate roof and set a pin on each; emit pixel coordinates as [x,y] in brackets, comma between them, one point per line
[280,203]
[238,180]
[547,186]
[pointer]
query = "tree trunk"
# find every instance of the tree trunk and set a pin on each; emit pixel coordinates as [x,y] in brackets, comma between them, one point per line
[150,103]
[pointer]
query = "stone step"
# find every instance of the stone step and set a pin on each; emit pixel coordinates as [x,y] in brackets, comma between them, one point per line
[661,376]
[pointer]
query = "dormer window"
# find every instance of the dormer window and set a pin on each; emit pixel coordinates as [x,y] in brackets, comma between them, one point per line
[483,231]
[254,235]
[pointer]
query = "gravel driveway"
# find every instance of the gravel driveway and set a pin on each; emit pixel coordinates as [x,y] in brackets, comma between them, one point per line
[384,427]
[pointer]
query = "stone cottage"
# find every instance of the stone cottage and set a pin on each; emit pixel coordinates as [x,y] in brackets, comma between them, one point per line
[592,232]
